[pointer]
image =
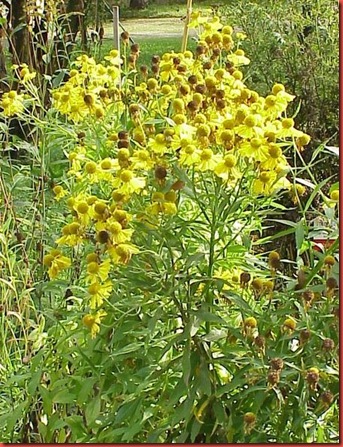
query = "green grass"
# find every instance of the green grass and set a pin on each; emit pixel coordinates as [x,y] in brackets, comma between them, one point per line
[174,9]
[149,46]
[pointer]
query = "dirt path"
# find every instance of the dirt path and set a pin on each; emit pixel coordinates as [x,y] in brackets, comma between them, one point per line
[154,28]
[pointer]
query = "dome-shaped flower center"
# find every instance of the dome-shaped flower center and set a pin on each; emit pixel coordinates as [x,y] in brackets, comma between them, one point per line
[100,207]
[206,154]
[106,164]
[160,138]
[82,208]
[92,257]
[94,288]
[264,177]
[278,88]
[143,155]
[116,228]
[93,267]
[230,160]
[250,121]
[287,123]
[126,176]
[270,101]
[226,135]
[90,167]
[255,143]
[275,151]
[190,149]
[123,154]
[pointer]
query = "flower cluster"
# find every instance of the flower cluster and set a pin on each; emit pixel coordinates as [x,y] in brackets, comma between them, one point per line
[189,112]
[12,103]
[89,89]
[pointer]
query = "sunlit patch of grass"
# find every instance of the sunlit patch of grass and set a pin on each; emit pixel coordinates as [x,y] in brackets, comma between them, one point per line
[149,46]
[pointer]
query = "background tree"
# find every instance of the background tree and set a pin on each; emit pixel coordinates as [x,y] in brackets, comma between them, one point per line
[138,4]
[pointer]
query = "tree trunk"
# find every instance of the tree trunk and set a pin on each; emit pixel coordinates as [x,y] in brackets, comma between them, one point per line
[19,41]
[138,4]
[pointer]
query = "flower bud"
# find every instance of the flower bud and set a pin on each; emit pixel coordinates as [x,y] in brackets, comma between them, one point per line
[276,364]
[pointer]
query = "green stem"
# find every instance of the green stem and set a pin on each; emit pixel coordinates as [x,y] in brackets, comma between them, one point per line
[214,207]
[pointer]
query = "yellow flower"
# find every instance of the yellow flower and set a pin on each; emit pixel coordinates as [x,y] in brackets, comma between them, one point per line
[25,74]
[128,183]
[289,325]
[189,155]
[99,292]
[158,144]
[83,210]
[141,160]
[163,203]
[264,183]
[231,277]
[279,91]
[168,70]
[287,129]
[59,192]
[197,19]
[251,127]
[238,58]
[334,195]
[226,169]
[207,160]
[241,36]
[122,253]
[72,235]
[114,58]
[274,105]
[210,26]
[275,158]
[184,135]
[96,271]
[250,322]
[56,262]
[12,103]
[119,234]
[256,148]
[93,321]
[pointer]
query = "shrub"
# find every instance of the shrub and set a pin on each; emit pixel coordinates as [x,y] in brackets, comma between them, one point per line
[163,318]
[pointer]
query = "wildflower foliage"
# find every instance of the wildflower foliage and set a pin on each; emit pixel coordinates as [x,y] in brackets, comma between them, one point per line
[179,325]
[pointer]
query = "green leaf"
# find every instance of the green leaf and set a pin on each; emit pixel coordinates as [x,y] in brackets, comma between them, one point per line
[15,416]
[219,411]
[34,382]
[194,259]
[132,431]
[320,438]
[76,423]
[58,78]
[63,397]
[47,399]
[334,187]
[85,390]
[184,411]
[203,315]
[196,426]
[127,410]
[93,410]
[299,234]
[186,364]
[205,380]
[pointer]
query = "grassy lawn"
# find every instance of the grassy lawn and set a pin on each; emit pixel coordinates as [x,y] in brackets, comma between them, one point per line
[149,46]
[175,9]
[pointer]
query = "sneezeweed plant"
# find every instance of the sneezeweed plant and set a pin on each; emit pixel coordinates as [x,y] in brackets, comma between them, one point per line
[172,171]
[194,118]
